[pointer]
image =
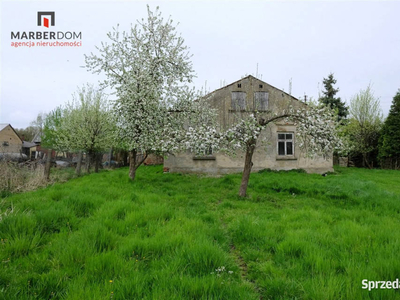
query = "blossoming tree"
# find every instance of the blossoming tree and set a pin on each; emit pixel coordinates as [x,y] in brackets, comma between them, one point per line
[315,131]
[87,125]
[149,69]
[84,124]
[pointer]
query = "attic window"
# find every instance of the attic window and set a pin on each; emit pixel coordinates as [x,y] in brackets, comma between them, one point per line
[260,86]
[6,144]
[239,85]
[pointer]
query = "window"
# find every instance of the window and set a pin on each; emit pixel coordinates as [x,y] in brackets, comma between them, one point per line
[260,86]
[238,101]
[6,144]
[285,144]
[261,101]
[208,155]
[239,85]
[209,151]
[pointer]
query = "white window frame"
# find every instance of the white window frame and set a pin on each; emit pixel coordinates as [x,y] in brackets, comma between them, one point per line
[285,143]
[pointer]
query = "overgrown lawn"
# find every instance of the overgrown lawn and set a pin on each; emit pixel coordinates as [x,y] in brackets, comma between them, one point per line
[172,236]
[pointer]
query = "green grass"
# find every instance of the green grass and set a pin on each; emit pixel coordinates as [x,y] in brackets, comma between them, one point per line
[167,236]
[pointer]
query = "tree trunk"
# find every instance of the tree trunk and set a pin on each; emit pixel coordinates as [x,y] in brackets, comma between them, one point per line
[124,158]
[110,157]
[79,164]
[132,164]
[248,164]
[48,165]
[366,161]
[88,158]
[96,157]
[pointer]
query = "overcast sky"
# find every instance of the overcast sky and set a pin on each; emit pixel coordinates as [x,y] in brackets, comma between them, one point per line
[358,41]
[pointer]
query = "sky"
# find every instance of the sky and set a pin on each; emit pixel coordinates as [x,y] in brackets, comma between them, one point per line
[277,41]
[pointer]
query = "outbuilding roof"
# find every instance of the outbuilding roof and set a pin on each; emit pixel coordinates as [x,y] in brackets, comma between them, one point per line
[26,144]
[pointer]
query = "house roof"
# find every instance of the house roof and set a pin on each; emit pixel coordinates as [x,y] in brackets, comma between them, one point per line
[4,125]
[252,77]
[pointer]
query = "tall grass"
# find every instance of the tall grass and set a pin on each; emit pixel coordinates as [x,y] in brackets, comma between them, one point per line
[14,178]
[172,236]
[17,177]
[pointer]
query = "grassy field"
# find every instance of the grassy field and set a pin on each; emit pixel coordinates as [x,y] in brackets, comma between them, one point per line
[172,236]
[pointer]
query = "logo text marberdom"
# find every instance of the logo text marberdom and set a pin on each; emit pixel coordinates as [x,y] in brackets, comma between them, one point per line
[46,38]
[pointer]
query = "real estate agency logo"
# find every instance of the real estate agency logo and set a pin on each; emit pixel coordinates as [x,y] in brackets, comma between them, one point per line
[46,19]
[42,16]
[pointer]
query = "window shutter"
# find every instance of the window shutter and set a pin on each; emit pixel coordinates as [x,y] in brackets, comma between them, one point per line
[238,101]
[261,101]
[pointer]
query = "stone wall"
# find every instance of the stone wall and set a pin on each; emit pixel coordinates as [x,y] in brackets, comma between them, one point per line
[153,159]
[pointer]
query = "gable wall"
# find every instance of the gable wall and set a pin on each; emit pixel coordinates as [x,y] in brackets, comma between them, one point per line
[221,99]
[9,135]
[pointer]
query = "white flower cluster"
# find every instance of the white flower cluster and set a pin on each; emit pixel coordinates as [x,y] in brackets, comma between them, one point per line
[238,137]
[219,271]
[223,274]
[316,130]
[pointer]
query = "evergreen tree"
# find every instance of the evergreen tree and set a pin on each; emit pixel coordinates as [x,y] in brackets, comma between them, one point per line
[330,100]
[389,143]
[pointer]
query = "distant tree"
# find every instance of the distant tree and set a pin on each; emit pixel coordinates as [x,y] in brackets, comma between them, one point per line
[83,124]
[364,125]
[328,99]
[36,126]
[389,142]
[27,133]
[50,136]
[38,123]
[87,125]
[52,128]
